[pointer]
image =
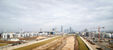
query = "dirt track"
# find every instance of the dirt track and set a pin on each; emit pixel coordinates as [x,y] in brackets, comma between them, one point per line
[76,44]
[54,45]
[69,44]
[65,43]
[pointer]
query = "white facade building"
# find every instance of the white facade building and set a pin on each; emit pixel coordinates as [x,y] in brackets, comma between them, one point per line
[9,35]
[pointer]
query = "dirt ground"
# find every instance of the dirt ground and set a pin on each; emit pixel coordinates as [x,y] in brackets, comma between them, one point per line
[69,43]
[66,43]
[76,44]
[50,46]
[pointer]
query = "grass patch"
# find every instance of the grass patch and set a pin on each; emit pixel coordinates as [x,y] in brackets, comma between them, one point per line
[28,38]
[82,45]
[8,42]
[30,47]
[3,44]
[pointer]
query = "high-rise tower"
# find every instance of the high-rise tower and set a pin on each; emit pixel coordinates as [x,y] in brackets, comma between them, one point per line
[61,28]
[70,29]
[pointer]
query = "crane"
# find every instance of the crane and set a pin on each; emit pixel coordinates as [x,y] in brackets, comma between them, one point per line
[99,32]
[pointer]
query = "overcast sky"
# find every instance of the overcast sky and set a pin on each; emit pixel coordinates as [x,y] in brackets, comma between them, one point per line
[31,15]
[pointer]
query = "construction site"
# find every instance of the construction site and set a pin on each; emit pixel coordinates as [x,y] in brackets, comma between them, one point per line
[56,25]
[65,42]
[57,42]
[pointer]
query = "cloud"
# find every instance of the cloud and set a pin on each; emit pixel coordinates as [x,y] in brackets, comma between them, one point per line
[46,14]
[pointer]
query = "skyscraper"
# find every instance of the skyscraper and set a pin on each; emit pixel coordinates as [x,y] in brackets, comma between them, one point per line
[61,28]
[70,29]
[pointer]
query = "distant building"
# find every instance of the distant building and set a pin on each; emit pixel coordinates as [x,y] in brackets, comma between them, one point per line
[9,35]
[87,34]
[13,39]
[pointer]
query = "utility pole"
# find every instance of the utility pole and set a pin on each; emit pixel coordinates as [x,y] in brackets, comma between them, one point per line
[21,29]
